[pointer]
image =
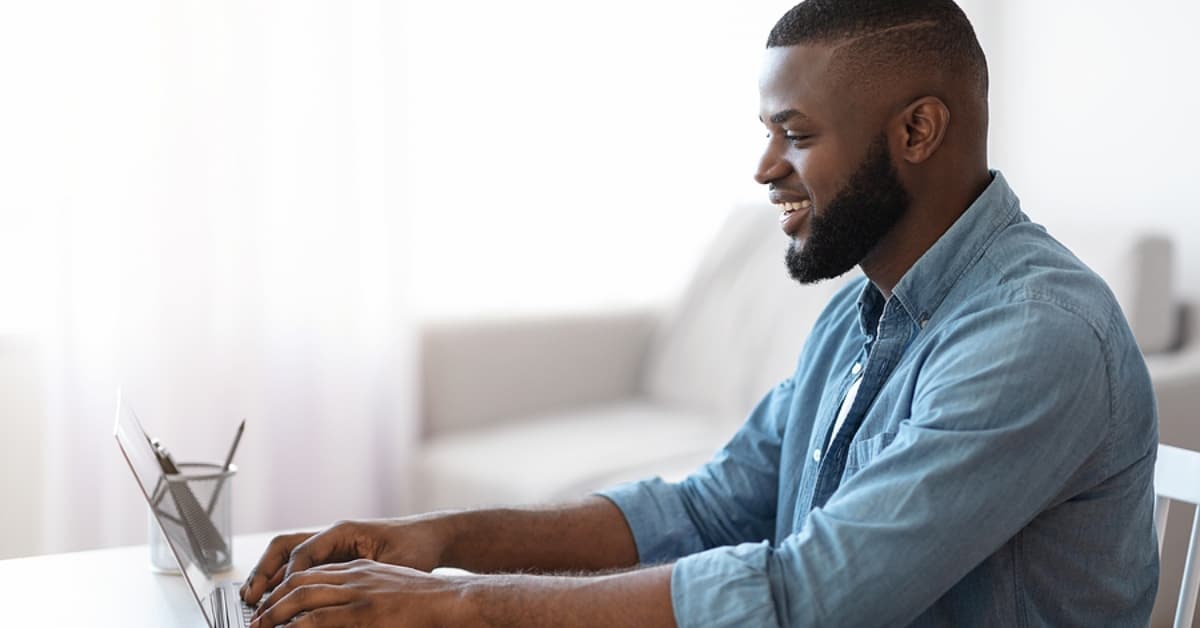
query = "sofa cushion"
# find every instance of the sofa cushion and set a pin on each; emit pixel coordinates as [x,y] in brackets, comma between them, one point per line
[553,456]
[739,327]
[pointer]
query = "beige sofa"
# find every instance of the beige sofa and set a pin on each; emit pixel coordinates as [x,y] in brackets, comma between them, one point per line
[534,409]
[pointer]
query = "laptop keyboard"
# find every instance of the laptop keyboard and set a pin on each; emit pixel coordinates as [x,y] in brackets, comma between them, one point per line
[229,594]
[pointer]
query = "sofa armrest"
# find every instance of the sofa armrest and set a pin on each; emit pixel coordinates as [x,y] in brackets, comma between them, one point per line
[478,372]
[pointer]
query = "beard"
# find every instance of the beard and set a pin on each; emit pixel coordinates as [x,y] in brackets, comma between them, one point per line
[854,222]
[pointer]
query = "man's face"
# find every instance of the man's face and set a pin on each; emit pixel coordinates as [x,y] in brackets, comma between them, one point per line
[827,163]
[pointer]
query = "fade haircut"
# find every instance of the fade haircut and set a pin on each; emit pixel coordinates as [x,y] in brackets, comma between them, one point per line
[878,39]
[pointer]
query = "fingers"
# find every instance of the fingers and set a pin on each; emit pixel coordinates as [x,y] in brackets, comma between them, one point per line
[337,543]
[272,563]
[323,575]
[276,578]
[307,598]
[325,618]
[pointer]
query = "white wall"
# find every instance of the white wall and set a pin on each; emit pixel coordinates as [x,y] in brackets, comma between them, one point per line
[567,156]
[1094,115]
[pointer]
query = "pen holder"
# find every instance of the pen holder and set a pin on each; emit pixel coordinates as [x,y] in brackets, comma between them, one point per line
[194,510]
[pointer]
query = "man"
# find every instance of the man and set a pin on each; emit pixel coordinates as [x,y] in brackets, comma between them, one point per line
[968,438]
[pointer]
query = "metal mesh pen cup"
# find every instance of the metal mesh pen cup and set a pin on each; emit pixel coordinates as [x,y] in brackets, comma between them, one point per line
[194,508]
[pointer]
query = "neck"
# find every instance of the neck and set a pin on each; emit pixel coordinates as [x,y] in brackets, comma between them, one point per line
[931,215]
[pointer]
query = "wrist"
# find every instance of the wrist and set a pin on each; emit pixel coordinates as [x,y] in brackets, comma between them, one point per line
[447,530]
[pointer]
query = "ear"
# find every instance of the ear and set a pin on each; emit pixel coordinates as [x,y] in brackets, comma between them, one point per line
[925,121]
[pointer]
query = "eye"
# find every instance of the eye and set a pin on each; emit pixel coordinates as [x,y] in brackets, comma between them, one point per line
[798,137]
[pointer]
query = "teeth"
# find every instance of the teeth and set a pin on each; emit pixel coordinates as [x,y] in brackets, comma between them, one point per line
[795,207]
[791,208]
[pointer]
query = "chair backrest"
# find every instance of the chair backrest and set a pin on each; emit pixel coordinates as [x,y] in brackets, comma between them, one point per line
[1177,477]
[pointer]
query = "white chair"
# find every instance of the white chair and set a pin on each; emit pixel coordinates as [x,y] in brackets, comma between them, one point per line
[1177,477]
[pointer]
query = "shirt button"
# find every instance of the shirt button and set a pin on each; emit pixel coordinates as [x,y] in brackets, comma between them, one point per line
[816,455]
[856,369]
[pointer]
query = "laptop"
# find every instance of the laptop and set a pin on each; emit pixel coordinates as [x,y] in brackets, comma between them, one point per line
[219,600]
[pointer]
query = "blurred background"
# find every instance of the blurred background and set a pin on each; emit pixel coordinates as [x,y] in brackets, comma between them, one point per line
[248,209]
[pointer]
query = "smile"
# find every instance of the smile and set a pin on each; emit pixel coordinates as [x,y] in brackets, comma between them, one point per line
[791,208]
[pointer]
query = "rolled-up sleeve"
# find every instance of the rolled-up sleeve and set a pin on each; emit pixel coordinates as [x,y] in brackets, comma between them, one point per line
[994,438]
[654,510]
[729,500]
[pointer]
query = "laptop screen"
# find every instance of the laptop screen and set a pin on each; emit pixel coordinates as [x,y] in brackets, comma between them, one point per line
[139,452]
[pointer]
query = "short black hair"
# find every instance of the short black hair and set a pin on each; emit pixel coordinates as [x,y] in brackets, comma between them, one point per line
[890,36]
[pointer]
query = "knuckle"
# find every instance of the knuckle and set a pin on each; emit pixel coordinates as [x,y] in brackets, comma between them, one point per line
[302,594]
[281,541]
[268,618]
[299,553]
[292,580]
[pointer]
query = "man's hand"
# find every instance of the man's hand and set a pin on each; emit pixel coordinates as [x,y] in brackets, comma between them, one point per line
[361,593]
[590,535]
[415,542]
[366,593]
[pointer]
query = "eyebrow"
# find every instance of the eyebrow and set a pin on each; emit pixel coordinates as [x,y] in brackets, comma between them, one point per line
[784,116]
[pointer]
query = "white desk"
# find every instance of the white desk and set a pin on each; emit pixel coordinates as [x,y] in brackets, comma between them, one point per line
[109,587]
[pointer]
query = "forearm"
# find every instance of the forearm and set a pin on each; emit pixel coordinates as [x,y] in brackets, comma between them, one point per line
[637,599]
[591,535]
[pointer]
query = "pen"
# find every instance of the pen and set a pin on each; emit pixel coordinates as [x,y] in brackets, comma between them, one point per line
[237,438]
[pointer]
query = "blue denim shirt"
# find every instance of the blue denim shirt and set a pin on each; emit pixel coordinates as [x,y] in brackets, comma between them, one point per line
[995,469]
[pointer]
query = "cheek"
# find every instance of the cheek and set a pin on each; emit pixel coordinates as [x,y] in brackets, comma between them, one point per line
[817,172]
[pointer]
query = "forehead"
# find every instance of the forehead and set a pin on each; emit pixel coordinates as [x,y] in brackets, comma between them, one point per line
[795,77]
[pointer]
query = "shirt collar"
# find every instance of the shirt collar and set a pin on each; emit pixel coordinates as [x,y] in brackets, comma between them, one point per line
[922,289]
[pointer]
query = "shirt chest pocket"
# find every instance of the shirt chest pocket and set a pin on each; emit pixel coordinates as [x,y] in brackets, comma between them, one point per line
[862,452]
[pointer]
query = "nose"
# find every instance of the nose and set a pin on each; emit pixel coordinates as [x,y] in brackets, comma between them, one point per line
[772,166]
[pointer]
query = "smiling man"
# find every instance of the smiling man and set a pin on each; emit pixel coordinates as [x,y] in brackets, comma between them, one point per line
[968,438]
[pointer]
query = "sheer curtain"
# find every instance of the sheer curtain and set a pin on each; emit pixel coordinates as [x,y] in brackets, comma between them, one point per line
[203,204]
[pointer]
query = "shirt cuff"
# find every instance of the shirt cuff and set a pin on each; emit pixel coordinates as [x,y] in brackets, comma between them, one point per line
[661,527]
[726,586]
